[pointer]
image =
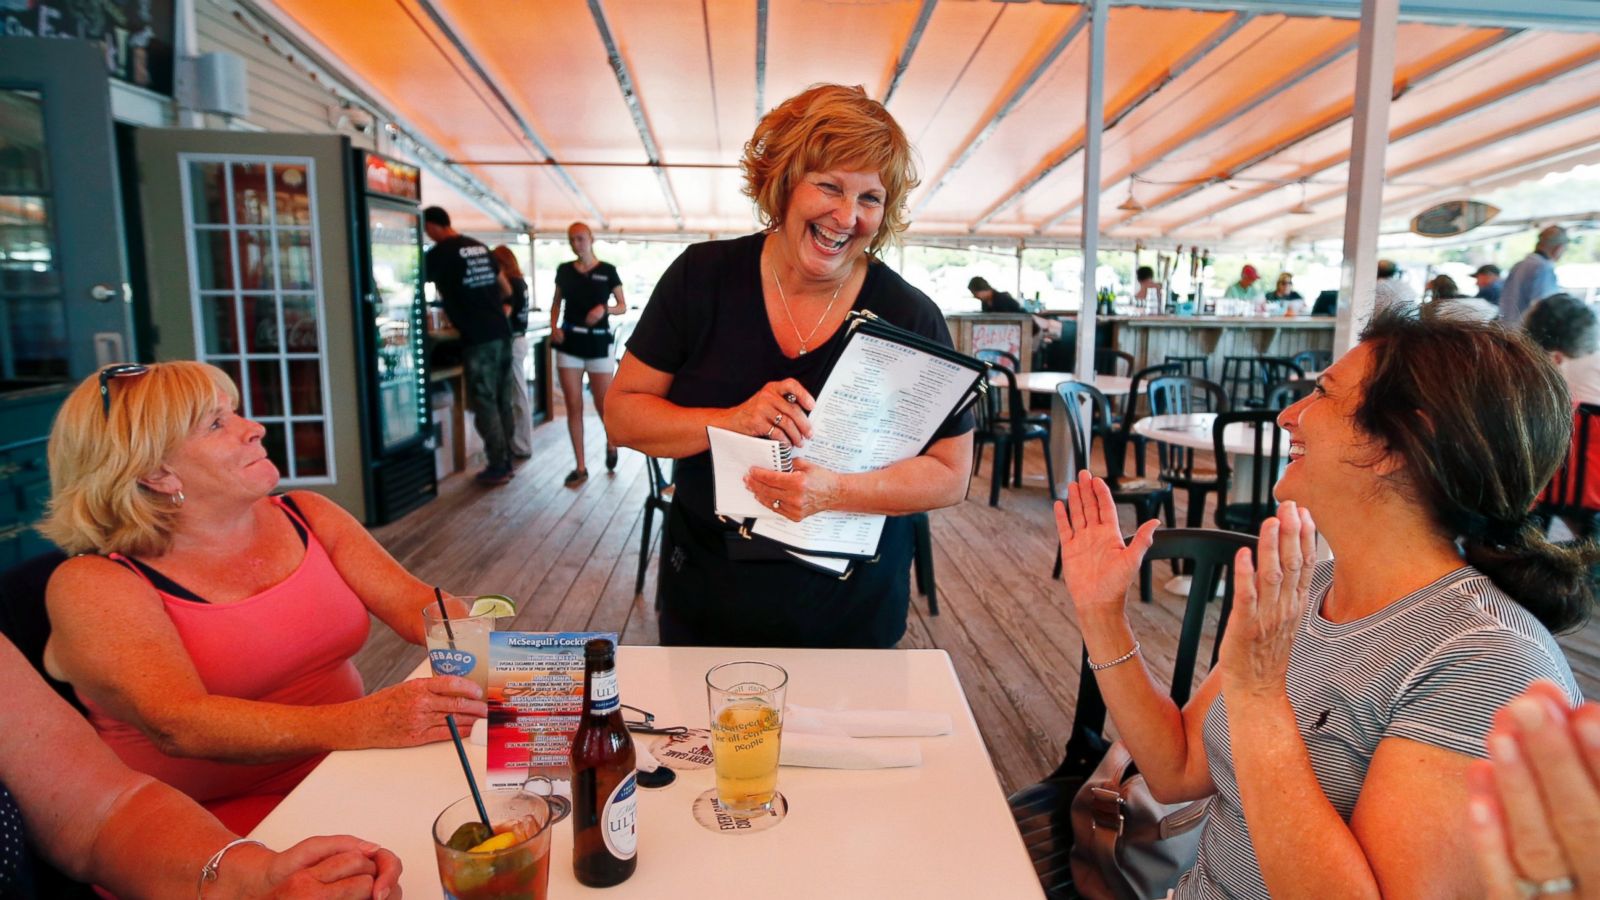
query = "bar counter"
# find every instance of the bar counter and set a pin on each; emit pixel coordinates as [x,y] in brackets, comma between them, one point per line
[1151,339]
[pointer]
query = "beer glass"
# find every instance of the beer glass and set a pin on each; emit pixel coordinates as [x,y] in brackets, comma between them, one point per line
[746,700]
[518,867]
[462,648]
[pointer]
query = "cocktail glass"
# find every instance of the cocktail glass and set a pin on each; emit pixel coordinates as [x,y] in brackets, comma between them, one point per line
[520,870]
[462,648]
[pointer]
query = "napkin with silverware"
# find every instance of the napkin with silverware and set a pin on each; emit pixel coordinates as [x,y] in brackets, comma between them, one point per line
[861,723]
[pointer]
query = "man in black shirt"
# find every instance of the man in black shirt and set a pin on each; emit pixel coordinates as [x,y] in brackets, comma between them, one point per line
[993,301]
[473,291]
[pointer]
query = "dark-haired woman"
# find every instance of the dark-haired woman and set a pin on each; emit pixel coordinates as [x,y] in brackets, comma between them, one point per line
[1334,736]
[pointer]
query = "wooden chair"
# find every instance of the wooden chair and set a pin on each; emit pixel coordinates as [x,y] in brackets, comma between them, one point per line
[1043,811]
[1006,426]
[1176,394]
[1568,496]
[1088,411]
[1270,445]
[660,498]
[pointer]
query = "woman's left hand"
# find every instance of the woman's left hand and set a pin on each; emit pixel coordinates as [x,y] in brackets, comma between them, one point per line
[1268,600]
[595,315]
[806,491]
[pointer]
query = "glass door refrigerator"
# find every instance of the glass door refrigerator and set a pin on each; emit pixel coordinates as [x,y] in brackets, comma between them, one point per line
[397,440]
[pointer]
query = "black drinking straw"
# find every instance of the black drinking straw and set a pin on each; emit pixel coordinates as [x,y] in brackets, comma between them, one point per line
[450,719]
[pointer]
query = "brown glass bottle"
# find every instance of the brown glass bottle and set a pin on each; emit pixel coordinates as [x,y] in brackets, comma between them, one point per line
[604,789]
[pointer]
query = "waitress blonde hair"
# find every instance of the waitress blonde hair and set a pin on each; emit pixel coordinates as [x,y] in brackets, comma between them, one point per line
[97,504]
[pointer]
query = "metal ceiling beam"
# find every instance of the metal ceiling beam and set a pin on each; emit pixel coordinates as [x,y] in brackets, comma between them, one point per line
[630,96]
[1056,160]
[1369,135]
[761,59]
[903,61]
[1233,168]
[1262,96]
[988,128]
[1564,15]
[1514,130]
[533,137]
[1097,11]
[1454,152]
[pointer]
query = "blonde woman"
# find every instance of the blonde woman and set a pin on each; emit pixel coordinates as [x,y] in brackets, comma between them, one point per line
[738,334]
[206,624]
[589,293]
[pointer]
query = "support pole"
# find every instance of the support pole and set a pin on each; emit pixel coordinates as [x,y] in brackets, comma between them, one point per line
[1094,127]
[1364,196]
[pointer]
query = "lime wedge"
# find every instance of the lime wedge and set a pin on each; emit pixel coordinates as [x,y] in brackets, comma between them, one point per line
[496,605]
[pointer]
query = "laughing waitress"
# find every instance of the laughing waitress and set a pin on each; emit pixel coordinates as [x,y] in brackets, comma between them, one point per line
[738,334]
[585,288]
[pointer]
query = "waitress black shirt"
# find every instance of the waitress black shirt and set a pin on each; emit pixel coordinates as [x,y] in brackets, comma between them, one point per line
[583,291]
[706,325]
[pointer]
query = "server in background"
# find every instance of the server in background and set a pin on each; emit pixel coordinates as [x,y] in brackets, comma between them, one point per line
[582,337]
[993,301]
[474,291]
[517,315]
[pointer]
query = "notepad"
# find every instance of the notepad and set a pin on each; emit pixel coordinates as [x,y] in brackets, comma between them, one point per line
[734,454]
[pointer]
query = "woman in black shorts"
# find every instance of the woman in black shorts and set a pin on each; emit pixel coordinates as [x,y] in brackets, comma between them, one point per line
[582,337]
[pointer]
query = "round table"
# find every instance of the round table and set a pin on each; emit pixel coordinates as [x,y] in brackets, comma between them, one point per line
[1060,446]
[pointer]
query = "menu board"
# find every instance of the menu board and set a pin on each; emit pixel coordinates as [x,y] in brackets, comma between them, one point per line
[136,34]
[535,702]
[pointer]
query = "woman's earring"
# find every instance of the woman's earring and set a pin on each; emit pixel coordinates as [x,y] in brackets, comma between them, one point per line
[177,498]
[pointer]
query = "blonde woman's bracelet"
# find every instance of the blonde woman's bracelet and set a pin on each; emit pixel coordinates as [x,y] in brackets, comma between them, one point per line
[1118,661]
[208,872]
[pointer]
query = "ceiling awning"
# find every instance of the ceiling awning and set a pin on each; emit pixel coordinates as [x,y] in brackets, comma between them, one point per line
[1228,121]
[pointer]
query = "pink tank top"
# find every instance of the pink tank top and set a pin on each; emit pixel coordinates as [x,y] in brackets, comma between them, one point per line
[291,644]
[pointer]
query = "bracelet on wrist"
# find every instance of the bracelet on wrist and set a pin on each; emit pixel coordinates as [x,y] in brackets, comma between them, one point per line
[1116,662]
[209,871]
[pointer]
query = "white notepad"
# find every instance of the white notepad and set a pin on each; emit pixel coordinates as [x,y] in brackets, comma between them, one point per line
[732,455]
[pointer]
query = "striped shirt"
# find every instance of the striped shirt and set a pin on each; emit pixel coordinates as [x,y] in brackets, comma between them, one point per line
[1432,667]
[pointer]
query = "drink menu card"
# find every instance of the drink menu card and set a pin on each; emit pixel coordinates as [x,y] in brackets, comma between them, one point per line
[535,701]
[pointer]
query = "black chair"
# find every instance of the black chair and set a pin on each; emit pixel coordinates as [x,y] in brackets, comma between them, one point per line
[1285,393]
[1198,366]
[922,560]
[1006,426]
[1113,362]
[1007,360]
[1174,395]
[1245,378]
[1088,412]
[1313,360]
[1270,445]
[1115,444]
[1043,811]
[1565,497]
[660,498]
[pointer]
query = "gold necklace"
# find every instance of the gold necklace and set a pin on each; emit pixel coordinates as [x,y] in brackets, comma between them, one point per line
[804,341]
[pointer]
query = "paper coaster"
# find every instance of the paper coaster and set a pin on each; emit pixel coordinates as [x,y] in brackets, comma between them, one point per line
[710,814]
[683,752]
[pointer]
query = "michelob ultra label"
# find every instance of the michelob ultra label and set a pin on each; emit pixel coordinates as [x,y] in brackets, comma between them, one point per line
[603,692]
[619,819]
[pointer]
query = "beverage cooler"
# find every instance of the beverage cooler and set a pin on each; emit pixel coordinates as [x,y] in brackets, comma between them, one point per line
[386,222]
[293,262]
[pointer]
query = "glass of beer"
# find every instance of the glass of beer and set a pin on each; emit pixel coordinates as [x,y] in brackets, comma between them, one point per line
[512,859]
[459,645]
[746,700]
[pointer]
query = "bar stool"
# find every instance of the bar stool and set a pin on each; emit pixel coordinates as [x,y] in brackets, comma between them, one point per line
[1198,366]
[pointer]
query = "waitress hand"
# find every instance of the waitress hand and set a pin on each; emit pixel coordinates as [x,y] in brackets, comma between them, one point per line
[1095,564]
[1269,597]
[594,315]
[806,491]
[771,414]
[557,336]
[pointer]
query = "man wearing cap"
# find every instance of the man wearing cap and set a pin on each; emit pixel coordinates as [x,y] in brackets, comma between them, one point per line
[1248,286]
[1535,277]
[1390,289]
[1488,278]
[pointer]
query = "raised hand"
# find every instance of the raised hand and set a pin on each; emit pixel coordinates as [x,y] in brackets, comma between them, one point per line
[1095,563]
[806,491]
[771,414]
[1269,597]
[1534,806]
[413,712]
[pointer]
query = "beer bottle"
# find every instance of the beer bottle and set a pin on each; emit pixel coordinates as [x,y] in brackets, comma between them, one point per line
[604,792]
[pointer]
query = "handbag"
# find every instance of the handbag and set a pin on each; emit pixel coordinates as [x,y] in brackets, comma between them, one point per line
[1126,844]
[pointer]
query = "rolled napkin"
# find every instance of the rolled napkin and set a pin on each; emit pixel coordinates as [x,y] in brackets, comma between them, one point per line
[865,722]
[643,759]
[827,751]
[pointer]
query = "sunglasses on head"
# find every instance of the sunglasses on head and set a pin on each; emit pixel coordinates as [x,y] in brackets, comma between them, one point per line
[120,370]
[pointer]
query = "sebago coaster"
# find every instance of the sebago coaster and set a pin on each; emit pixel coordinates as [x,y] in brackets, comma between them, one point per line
[684,752]
[710,814]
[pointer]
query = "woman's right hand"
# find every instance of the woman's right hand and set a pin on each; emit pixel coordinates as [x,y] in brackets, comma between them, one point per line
[413,712]
[557,335]
[1095,563]
[770,413]
[336,867]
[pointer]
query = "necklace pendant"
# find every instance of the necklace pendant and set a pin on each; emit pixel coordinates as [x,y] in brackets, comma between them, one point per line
[802,351]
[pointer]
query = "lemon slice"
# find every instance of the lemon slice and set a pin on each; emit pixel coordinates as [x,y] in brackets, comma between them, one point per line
[497,605]
[499,842]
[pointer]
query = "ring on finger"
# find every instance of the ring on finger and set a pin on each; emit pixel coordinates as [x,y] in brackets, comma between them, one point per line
[776,504]
[791,397]
[770,431]
[1529,889]
[777,420]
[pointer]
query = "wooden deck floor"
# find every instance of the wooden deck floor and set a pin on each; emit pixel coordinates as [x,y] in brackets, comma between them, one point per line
[569,557]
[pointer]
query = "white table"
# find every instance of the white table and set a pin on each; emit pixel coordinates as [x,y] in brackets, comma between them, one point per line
[940,830]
